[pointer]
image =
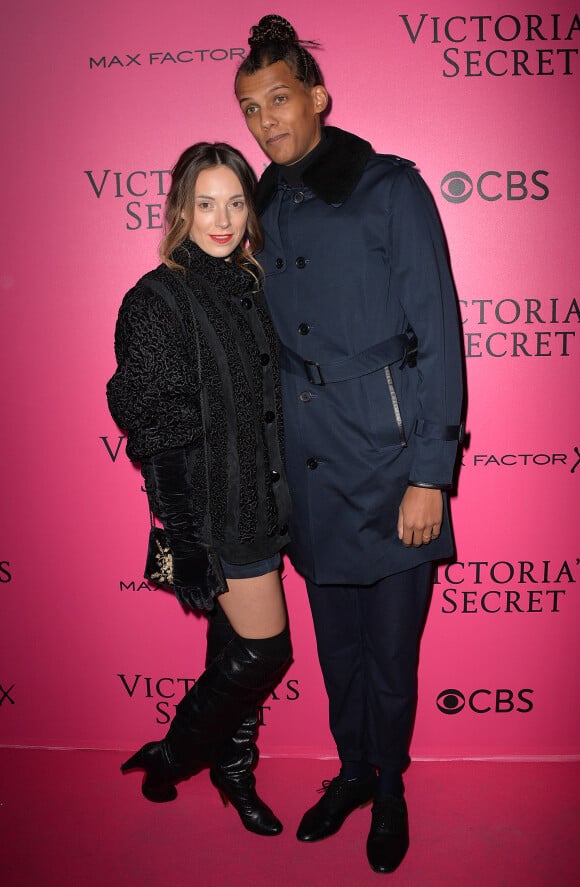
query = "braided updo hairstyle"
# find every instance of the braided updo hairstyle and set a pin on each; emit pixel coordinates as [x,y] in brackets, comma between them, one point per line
[274,39]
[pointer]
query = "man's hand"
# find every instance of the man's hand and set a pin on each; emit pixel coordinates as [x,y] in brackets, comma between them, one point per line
[420,516]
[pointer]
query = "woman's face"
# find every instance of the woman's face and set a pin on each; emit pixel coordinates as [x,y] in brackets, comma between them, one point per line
[220,212]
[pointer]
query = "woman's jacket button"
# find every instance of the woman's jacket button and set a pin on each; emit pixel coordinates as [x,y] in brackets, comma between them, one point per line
[312,463]
[269,416]
[274,475]
[264,359]
[247,303]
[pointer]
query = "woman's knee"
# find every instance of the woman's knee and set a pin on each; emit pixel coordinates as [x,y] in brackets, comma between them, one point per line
[256,607]
[275,652]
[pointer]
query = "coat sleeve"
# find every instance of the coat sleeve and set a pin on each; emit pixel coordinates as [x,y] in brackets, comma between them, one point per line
[153,395]
[421,280]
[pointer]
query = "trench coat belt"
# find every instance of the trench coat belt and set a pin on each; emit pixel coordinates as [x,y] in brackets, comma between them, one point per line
[402,347]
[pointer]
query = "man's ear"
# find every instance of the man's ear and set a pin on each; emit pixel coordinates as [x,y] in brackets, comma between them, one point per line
[320,98]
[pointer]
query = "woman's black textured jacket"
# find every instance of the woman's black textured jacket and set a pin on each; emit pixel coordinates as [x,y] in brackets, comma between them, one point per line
[172,328]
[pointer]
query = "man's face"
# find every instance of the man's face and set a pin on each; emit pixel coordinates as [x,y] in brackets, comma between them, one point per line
[282,114]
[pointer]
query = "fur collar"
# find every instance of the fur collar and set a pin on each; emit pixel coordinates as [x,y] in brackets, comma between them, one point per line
[333,175]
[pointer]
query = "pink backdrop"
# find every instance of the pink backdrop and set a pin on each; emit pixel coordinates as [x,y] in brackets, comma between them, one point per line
[102,98]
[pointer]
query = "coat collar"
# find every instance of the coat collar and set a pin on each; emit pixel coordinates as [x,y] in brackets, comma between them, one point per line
[227,278]
[333,174]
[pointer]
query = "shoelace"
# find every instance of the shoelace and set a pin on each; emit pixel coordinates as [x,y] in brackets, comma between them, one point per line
[337,783]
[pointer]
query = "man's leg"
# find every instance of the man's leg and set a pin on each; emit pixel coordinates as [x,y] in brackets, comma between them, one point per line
[393,617]
[336,612]
[368,640]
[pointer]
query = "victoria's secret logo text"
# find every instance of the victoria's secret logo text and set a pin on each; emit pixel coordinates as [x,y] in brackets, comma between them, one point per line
[5,574]
[168,691]
[504,586]
[135,184]
[524,328]
[499,46]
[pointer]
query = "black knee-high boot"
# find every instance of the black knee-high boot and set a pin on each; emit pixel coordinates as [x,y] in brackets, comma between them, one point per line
[232,773]
[242,745]
[238,679]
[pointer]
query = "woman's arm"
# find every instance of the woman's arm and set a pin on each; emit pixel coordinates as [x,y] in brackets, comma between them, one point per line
[154,397]
[154,393]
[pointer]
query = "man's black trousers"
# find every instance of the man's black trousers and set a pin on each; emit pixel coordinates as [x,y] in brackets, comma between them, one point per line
[368,645]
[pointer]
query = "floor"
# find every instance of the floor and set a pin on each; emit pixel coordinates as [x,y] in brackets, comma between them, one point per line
[69,819]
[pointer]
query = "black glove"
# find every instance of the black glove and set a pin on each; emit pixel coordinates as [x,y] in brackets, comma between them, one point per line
[198,578]
[197,572]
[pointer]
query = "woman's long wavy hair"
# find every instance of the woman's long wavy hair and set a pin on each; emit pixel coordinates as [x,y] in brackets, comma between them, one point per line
[180,203]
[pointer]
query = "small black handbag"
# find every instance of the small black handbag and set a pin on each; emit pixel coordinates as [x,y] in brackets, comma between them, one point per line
[159,563]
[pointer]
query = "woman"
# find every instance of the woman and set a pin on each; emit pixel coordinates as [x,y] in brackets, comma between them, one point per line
[197,391]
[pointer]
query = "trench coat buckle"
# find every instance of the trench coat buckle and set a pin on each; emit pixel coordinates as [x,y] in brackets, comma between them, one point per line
[310,366]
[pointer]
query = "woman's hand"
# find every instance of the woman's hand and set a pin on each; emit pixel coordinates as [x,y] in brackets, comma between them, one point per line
[197,578]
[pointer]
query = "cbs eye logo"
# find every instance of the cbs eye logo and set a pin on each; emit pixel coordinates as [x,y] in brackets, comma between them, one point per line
[458,186]
[500,701]
[450,702]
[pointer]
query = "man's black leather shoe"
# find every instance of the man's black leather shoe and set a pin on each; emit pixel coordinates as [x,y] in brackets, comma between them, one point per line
[388,839]
[341,796]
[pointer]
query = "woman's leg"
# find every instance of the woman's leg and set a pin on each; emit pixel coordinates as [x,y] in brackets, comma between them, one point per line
[240,677]
[255,607]
[232,772]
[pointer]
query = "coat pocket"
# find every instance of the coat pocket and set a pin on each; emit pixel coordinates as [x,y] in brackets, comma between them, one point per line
[386,417]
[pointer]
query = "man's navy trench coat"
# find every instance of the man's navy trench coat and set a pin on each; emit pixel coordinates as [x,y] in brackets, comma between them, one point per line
[352,260]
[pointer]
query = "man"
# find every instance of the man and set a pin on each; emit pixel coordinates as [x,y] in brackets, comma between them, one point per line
[358,284]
